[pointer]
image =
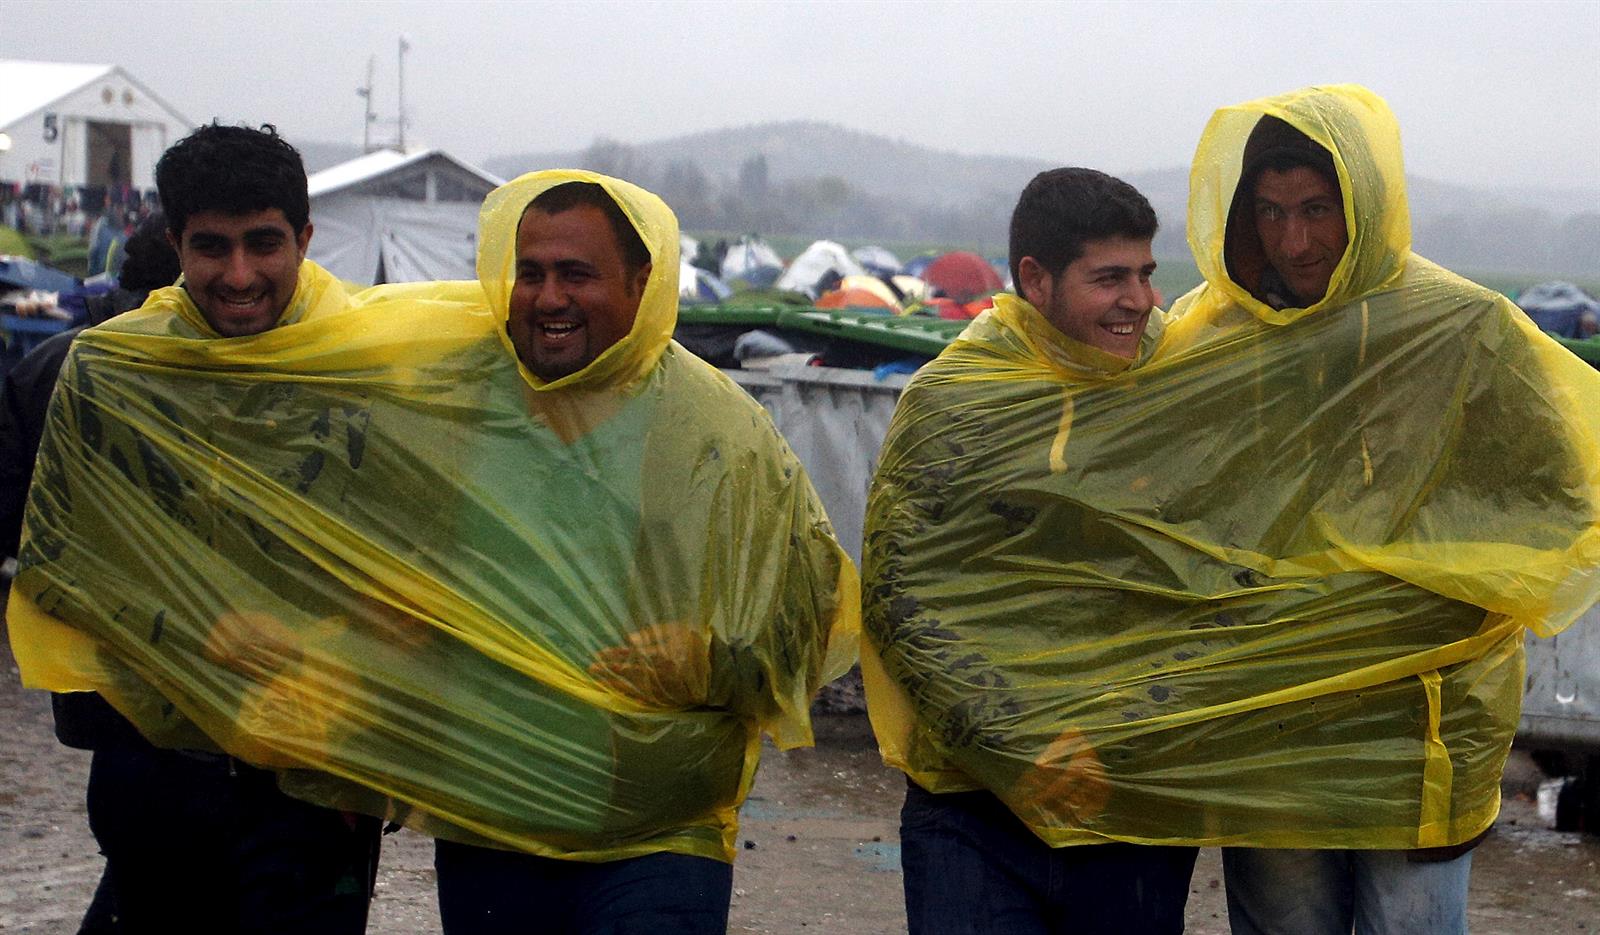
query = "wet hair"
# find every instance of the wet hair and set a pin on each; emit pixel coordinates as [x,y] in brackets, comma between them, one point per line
[1063,209]
[232,170]
[569,195]
[151,262]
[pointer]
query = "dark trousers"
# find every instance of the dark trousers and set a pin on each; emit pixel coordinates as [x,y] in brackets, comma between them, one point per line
[973,868]
[483,891]
[201,843]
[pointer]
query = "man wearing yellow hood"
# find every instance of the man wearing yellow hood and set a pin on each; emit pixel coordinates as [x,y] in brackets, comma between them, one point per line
[495,559]
[1407,405]
[1267,586]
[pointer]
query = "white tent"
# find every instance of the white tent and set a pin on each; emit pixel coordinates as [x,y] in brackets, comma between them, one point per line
[817,260]
[749,257]
[398,217]
[66,124]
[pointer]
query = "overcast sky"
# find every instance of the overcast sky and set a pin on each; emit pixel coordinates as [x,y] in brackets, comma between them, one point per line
[1487,93]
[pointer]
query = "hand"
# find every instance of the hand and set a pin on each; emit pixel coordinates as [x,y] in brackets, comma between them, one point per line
[1067,784]
[250,641]
[665,665]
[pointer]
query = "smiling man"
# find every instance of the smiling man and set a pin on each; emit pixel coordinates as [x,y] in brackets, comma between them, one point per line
[580,272]
[992,751]
[199,840]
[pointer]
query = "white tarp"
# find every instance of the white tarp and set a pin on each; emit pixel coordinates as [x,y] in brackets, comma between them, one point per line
[398,217]
[413,240]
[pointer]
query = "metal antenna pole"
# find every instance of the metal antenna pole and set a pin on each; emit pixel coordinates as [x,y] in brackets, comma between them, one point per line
[365,92]
[404,48]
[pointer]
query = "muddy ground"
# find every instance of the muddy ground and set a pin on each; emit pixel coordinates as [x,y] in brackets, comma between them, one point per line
[820,851]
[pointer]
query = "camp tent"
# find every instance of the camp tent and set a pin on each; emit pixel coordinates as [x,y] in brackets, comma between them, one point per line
[69,125]
[398,217]
[962,276]
[753,261]
[876,260]
[697,285]
[1561,308]
[820,259]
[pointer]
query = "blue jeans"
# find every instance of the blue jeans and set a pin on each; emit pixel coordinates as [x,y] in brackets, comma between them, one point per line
[200,843]
[1325,892]
[973,868]
[484,891]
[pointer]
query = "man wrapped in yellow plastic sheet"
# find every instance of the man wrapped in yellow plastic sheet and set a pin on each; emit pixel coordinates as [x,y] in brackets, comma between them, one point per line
[501,561]
[1080,254]
[1265,588]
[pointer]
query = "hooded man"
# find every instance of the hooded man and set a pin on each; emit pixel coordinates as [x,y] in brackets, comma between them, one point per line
[1412,428]
[1268,586]
[496,559]
[971,504]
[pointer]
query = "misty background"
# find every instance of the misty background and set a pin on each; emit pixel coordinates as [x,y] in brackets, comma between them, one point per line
[913,124]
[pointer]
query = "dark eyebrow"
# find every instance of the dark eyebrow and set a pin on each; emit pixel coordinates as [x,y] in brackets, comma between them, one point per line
[262,233]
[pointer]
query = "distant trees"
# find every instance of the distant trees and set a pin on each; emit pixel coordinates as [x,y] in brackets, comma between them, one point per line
[819,206]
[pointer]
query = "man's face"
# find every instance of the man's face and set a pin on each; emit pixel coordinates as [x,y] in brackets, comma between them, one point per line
[573,296]
[1102,299]
[240,269]
[1300,219]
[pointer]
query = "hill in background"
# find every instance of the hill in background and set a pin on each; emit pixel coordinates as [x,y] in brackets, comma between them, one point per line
[812,179]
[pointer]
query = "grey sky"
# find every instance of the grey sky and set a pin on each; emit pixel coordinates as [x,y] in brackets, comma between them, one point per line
[1487,93]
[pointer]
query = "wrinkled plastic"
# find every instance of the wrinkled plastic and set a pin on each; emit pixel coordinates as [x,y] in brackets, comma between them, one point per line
[368,549]
[1264,585]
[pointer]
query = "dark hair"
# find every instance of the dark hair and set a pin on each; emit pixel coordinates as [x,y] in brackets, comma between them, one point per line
[234,170]
[569,195]
[1062,209]
[151,262]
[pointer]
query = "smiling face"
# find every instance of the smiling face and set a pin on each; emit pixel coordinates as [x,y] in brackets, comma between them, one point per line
[240,269]
[1102,299]
[573,296]
[1300,219]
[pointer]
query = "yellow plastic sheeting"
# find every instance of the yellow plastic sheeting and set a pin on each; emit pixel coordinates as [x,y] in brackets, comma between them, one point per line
[1265,585]
[367,549]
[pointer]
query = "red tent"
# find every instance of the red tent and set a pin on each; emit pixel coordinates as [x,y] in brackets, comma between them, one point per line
[962,276]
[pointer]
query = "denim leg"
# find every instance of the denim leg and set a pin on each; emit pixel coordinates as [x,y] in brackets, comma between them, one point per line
[1112,889]
[302,869]
[1399,896]
[1277,891]
[968,870]
[162,821]
[484,891]
[657,893]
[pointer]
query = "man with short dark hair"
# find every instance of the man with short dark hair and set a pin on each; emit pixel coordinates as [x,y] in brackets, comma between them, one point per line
[581,269]
[996,761]
[198,840]
[83,719]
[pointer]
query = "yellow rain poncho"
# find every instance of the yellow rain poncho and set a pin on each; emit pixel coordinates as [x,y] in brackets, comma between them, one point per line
[1265,585]
[368,549]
